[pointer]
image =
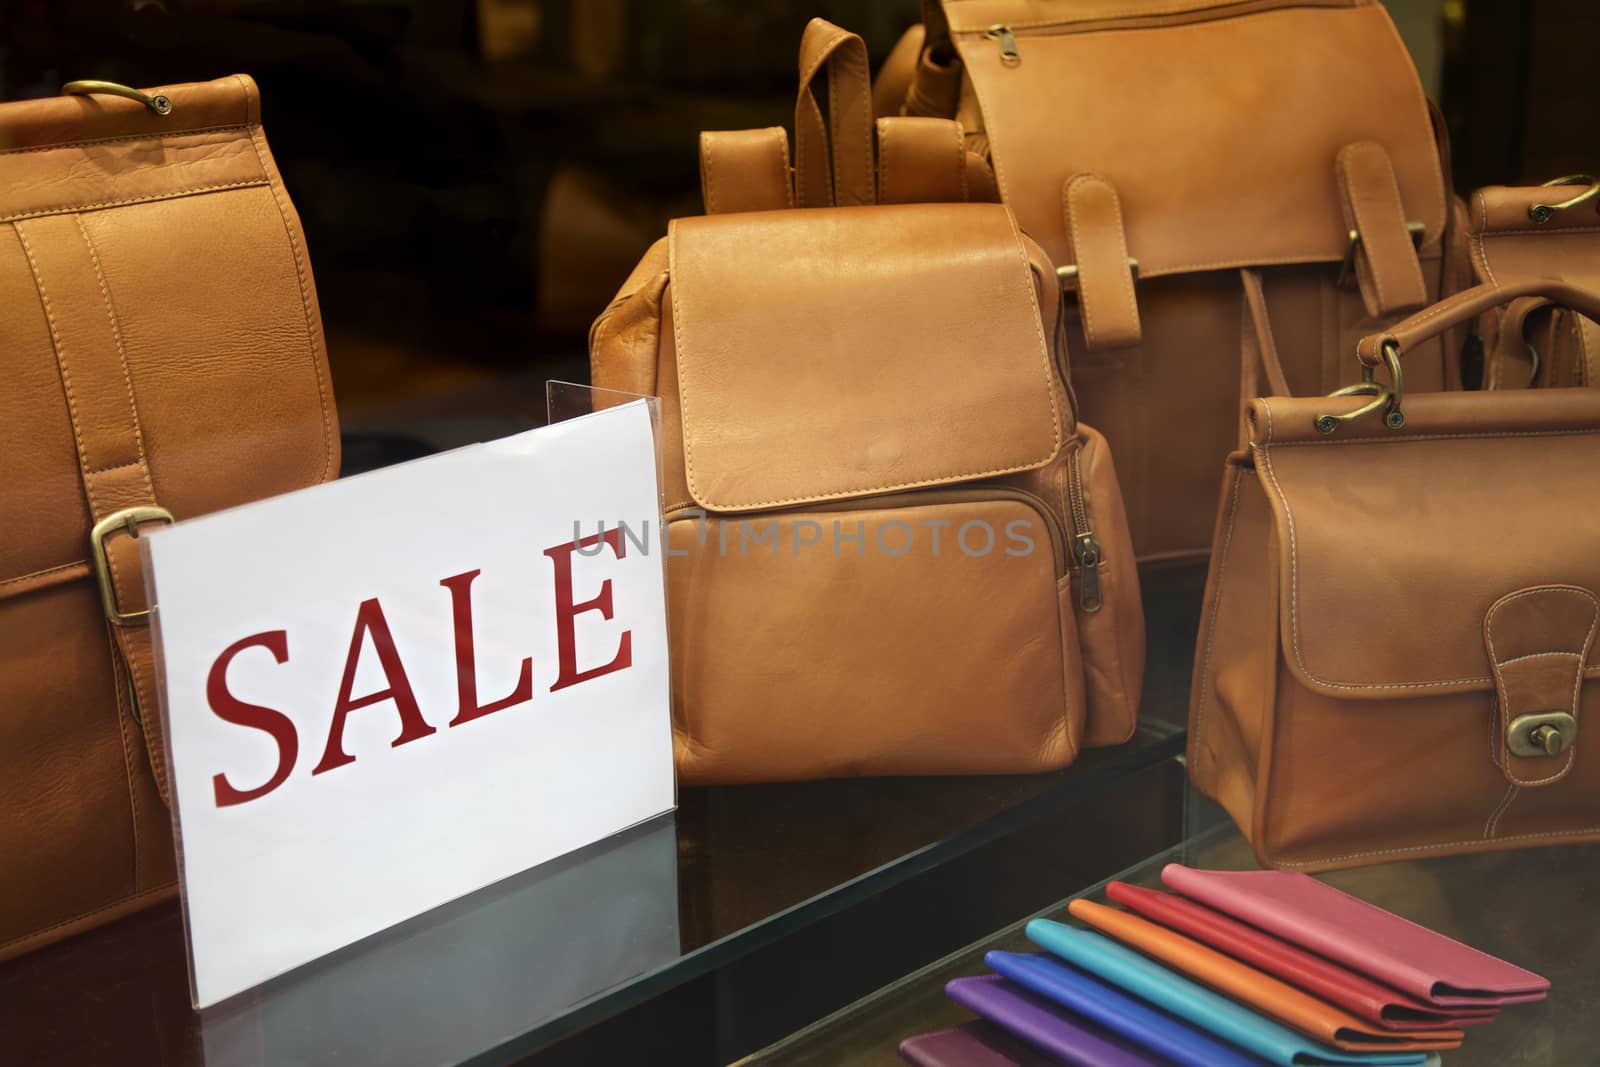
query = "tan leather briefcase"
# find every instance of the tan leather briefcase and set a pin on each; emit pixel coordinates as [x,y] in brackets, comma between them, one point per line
[1539,231]
[1157,148]
[163,358]
[1398,656]
[894,549]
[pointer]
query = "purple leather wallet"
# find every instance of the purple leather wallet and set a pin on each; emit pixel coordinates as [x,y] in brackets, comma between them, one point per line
[1364,937]
[975,1044]
[1034,1019]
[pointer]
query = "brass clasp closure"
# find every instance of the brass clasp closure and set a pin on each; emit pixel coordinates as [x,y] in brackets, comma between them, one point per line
[1541,733]
[127,519]
[84,87]
[1543,213]
[1385,398]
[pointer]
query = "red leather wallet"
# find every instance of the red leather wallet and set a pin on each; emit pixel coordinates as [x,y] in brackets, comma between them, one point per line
[1360,996]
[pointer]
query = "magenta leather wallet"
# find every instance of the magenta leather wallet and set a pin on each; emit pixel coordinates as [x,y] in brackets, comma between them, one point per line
[1437,969]
[979,1043]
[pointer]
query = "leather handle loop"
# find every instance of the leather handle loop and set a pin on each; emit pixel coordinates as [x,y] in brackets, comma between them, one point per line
[1466,305]
[848,131]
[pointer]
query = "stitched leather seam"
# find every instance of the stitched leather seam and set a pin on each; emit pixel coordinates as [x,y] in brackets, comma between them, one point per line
[305,305]
[1587,231]
[61,209]
[1480,242]
[886,189]
[117,467]
[684,395]
[55,337]
[1408,849]
[130,898]
[1499,677]
[780,140]
[1203,689]
[122,358]
[961,163]
[47,572]
[707,169]
[1504,806]
[114,140]
[1540,655]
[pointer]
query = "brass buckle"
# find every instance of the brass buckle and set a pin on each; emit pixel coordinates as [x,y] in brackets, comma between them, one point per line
[128,519]
[1384,397]
[1541,733]
[1347,269]
[1068,275]
[1543,213]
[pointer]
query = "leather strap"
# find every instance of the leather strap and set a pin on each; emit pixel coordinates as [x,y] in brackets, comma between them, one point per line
[1469,303]
[849,131]
[105,428]
[897,73]
[935,86]
[921,161]
[1510,362]
[1258,352]
[1387,268]
[745,170]
[1110,311]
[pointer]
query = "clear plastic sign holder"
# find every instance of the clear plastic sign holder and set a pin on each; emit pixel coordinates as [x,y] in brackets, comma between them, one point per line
[454,982]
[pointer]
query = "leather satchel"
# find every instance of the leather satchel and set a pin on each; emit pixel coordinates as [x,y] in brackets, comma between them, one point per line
[893,549]
[1540,231]
[1398,640]
[1172,156]
[163,358]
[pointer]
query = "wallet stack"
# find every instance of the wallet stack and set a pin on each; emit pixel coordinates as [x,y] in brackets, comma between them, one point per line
[1229,969]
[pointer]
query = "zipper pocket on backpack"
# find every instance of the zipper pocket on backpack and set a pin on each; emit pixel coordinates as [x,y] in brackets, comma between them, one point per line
[1006,36]
[1085,546]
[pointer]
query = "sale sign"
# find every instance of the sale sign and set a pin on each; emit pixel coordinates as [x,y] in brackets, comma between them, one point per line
[386,692]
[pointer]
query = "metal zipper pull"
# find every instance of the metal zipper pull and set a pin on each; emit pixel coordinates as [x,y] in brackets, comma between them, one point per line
[1008,44]
[1087,549]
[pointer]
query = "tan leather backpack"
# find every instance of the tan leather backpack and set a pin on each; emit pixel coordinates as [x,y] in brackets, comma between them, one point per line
[1156,150]
[163,357]
[892,548]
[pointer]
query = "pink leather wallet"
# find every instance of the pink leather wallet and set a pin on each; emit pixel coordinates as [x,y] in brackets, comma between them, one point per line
[1364,937]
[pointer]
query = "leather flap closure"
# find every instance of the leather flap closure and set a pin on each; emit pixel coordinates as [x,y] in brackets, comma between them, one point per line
[1218,124]
[1538,641]
[843,352]
[1395,544]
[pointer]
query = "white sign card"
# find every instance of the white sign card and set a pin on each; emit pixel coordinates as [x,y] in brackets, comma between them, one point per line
[386,692]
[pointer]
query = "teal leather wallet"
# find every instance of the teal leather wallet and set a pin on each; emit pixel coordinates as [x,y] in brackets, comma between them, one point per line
[1143,978]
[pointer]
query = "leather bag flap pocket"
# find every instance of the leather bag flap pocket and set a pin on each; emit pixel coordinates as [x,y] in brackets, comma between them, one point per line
[843,352]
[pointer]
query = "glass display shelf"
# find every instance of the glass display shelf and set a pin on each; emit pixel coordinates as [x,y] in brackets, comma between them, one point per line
[747,913]
[1533,907]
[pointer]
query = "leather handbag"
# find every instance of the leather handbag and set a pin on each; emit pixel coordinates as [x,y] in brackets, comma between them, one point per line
[893,549]
[1398,639]
[163,358]
[1133,147]
[1539,231]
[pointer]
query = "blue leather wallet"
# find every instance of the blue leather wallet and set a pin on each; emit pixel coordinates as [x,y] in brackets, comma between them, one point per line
[1184,1045]
[1133,973]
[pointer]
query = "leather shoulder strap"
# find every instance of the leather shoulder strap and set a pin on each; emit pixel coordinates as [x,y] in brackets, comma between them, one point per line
[110,443]
[843,55]
[745,170]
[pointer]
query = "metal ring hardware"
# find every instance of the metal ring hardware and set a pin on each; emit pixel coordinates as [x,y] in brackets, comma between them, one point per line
[1542,213]
[1385,398]
[158,104]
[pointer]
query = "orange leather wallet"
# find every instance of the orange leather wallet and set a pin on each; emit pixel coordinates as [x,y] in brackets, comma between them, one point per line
[1253,989]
